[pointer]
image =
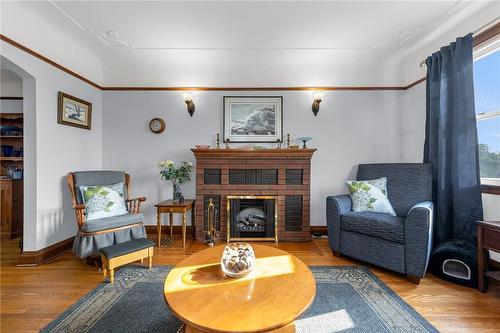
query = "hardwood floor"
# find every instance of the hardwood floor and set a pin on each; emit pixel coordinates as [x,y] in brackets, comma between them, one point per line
[32,297]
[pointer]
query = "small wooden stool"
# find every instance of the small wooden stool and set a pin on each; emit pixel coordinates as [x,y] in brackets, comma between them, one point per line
[121,254]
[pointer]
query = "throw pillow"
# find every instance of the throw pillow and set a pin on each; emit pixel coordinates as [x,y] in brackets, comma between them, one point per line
[370,196]
[103,200]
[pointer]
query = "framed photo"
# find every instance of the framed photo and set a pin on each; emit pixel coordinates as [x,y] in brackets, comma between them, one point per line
[253,118]
[73,111]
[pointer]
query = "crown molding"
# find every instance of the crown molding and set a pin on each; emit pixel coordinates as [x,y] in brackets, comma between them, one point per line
[95,85]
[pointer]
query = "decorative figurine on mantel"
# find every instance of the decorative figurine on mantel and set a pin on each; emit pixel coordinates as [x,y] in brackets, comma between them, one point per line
[178,176]
[226,142]
[288,140]
[217,141]
[279,144]
[304,139]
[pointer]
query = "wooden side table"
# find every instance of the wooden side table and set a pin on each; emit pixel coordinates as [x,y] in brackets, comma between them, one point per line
[171,207]
[488,238]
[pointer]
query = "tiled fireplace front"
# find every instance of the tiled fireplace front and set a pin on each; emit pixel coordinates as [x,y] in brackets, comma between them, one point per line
[278,180]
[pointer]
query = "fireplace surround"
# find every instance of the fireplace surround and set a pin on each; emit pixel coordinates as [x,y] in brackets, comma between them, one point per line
[284,174]
[252,218]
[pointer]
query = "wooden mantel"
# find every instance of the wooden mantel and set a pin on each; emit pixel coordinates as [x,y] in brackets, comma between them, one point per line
[282,173]
[253,153]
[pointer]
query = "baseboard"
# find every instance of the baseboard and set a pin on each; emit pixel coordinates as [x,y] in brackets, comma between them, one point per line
[165,230]
[321,229]
[35,258]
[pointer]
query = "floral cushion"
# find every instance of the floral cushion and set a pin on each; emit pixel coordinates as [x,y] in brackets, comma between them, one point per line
[103,201]
[370,196]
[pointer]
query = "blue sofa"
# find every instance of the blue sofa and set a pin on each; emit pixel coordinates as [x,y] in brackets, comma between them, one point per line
[399,243]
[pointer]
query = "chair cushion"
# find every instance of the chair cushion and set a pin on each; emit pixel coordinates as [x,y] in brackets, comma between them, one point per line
[407,183]
[111,222]
[126,247]
[379,225]
[97,178]
[370,196]
[102,201]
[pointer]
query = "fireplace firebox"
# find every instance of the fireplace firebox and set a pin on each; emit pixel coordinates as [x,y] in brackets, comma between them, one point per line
[252,218]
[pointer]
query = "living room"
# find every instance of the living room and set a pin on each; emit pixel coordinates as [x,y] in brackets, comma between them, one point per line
[189,166]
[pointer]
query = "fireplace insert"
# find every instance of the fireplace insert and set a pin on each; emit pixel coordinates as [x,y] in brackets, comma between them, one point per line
[251,218]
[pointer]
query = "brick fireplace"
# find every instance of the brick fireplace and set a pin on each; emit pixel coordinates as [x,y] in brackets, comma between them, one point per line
[259,181]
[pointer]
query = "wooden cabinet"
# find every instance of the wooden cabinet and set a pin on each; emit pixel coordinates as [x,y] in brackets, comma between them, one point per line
[6,208]
[17,208]
[12,164]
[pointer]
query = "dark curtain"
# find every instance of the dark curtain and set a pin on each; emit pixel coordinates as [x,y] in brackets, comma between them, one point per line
[451,143]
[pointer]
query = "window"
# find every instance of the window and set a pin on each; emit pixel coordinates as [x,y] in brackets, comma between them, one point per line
[487,98]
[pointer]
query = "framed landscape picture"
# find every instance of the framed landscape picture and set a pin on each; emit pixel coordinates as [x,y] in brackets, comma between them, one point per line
[253,118]
[73,111]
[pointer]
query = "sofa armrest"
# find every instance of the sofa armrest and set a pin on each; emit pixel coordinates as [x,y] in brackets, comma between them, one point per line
[134,205]
[418,238]
[335,207]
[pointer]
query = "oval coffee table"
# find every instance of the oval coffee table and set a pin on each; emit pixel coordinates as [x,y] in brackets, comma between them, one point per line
[269,299]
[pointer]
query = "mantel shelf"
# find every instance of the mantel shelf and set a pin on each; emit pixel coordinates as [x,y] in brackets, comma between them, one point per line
[237,153]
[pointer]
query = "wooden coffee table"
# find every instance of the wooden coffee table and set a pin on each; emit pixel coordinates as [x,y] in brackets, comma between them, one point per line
[269,299]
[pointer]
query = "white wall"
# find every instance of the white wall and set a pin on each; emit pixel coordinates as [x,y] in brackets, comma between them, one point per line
[351,128]
[54,149]
[25,22]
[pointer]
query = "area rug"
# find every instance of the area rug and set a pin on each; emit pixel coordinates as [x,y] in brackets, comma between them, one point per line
[348,299]
[165,241]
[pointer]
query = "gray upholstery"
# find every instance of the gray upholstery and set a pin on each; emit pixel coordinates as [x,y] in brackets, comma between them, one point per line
[111,222]
[374,250]
[86,246]
[97,178]
[400,243]
[379,225]
[126,247]
[407,183]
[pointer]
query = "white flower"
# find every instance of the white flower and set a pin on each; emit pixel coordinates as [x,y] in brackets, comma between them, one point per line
[190,163]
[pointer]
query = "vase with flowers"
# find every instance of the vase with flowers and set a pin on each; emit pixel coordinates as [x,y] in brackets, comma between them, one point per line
[177,175]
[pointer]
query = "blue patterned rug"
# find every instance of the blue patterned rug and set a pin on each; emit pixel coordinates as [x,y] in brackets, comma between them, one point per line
[348,299]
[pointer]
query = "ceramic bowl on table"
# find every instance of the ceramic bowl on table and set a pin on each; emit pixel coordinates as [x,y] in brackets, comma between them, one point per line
[238,259]
[202,146]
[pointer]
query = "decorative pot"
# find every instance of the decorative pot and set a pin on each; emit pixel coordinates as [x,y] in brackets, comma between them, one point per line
[177,192]
[238,259]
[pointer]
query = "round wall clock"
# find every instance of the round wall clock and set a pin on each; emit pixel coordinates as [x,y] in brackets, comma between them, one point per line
[157,125]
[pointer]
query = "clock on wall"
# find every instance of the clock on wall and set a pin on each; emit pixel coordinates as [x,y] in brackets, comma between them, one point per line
[157,125]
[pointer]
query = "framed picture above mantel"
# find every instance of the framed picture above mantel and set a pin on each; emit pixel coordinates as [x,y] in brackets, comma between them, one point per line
[253,118]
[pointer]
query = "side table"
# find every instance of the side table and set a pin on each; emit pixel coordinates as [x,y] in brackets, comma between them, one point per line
[171,207]
[488,238]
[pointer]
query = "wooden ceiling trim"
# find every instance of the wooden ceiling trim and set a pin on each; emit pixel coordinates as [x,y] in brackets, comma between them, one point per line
[95,85]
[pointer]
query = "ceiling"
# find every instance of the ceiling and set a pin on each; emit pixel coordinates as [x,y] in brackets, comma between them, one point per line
[259,43]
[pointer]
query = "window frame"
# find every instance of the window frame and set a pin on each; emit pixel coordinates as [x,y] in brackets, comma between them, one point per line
[486,43]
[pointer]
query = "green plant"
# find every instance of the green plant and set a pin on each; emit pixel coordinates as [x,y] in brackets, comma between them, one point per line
[177,175]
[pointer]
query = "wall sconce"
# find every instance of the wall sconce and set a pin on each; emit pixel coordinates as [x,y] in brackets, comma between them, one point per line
[317,97]
[188,99]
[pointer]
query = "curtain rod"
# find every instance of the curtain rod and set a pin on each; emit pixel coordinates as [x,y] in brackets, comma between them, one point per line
[479,30]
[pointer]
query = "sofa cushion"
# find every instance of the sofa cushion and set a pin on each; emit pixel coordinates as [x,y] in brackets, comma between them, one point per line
[379,225]
[111,222]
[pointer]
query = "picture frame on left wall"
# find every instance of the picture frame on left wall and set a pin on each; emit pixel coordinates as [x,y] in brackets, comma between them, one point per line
[73,111]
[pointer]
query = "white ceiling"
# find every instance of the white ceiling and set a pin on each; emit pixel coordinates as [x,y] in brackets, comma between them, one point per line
[260,43]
